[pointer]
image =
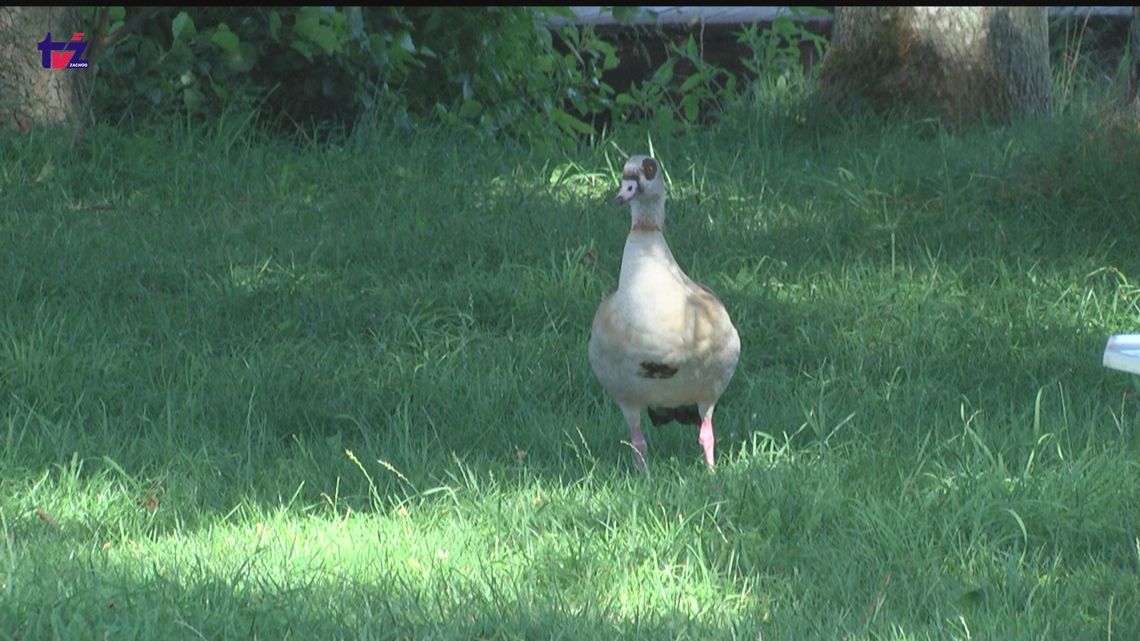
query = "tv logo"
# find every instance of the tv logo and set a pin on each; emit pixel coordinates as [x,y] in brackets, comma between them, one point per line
[63,55]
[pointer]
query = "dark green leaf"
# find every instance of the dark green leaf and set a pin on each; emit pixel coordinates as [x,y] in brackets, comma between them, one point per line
[625,100]
[306,22]
[274,25]
[470,109]
[182,26]
[192,98]
[324,37]
[566,121]
[403,40]
[304,49]
[244,59]
[690,104]
[225,39]
[692,81]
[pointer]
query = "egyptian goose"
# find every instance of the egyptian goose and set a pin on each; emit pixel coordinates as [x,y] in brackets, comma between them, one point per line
[661,341]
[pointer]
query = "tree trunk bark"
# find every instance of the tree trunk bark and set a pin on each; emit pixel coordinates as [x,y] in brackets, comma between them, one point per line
[29,94]
[959,63]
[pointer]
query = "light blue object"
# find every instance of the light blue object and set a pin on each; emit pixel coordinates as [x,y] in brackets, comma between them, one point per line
[1123,353]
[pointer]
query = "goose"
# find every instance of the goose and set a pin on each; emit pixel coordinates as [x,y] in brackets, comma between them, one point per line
[661,341]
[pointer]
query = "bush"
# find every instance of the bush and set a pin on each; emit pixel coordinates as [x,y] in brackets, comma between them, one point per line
[501,71]
[494,69]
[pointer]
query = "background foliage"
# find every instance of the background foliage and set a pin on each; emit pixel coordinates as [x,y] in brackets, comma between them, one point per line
[506,70]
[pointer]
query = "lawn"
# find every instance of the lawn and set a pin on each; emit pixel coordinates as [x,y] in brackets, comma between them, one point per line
[269,389]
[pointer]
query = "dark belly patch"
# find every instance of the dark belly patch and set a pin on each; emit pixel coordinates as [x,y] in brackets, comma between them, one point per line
[685,415]
[656,370]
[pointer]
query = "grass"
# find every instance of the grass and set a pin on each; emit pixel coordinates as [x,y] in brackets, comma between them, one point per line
[253,389]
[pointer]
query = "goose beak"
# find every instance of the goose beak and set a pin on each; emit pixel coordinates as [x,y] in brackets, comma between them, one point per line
[626,192]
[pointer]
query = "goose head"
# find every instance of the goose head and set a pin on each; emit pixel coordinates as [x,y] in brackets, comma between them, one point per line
[643,187]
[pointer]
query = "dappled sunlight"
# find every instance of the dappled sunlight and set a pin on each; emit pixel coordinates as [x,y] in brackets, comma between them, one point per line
[576,183]
[269,276]
[362,567]
[606,552]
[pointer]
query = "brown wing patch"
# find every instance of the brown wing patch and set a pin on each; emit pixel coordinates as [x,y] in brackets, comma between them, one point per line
[656,370]
[708,291]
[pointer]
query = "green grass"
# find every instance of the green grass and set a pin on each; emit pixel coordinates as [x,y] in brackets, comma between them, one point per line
[261,390]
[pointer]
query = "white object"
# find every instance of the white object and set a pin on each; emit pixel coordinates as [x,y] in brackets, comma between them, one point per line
[661,341]
[1123,353]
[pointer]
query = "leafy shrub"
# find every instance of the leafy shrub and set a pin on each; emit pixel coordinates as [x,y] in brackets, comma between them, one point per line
[494,69]
[670,100]
[775,51]
[501,71]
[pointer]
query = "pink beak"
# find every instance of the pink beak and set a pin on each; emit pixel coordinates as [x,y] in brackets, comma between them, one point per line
[626,192]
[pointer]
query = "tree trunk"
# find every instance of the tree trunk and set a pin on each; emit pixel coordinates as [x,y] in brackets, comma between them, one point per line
[1133,98]
[958,63]
[29,94]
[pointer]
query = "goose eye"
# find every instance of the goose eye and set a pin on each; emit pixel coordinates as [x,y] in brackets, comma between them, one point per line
[649,168]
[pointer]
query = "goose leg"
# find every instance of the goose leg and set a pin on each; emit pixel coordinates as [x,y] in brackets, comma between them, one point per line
[633,418]
[705,436]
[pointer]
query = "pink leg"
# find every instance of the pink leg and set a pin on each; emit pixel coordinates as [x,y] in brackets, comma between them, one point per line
[633,418]
[706,437]
[707,440]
